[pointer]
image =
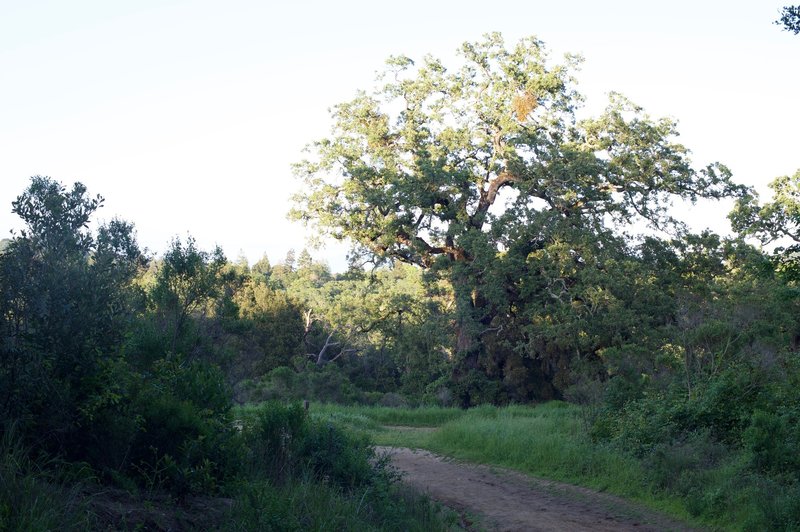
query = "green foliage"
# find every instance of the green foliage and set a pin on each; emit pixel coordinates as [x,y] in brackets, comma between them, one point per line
[776,221]
[773,440]
[413,169]
[274,325]
[186,281]
[404,175]
[790,19]
[284,444]
[31,497]
[328,466]
[186,443]
[339,458]
[326,384]
[721,449]
[372,416]
[274,436]
[67,298]
[305,505]
[476,389]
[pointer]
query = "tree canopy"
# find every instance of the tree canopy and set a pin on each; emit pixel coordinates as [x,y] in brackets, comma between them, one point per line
[413,169]
[790,19]
[481,171]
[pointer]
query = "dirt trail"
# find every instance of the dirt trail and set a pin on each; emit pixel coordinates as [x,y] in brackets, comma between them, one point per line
[510,501]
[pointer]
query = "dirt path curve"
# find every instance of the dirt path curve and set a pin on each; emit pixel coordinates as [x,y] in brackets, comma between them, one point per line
[510,501]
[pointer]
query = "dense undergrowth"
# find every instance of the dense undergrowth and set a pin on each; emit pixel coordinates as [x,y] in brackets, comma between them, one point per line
[116,394]
[308,474]
[291,473]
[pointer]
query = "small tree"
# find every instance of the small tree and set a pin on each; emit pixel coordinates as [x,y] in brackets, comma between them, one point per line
[187,280]
[65,304]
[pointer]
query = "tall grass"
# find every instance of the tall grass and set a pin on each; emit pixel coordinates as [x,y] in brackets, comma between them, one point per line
[31,499]
[306,505]
[308,473]
[545,441]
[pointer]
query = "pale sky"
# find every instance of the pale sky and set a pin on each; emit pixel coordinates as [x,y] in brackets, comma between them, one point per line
[186,115]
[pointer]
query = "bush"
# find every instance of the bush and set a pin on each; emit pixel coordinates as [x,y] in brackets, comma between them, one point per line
[725,403]
[476,388]
[309,474]
[283,443]
[187,443]
[273,439]
[773,442]
[304,505]
[334,456]
[677,466]
[393,400]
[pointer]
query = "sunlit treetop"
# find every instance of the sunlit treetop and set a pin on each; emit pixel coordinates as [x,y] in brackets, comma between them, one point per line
[416,169]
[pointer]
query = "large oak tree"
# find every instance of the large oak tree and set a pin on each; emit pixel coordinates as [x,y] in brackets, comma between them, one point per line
[464,169]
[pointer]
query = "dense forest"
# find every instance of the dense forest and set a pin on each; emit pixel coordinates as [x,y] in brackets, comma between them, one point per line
[504,252]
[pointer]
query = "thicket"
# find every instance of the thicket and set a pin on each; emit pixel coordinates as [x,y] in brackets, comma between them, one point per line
[116,370]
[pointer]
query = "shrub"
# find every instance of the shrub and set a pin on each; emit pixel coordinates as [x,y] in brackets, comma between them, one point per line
[187,443]
[476,388]
[273,439]
[393,400]
[678,465]
[283,444]
[334,456]
[774,443]
[724,404]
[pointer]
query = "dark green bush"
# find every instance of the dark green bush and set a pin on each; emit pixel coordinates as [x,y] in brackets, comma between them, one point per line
[312,475]
[393,400]
[773,441]
[328,384]
[725,403]
[767,504]
[32,497]
[336,457]
[283,443]
[677,466]
[274,438]
[187,442]
[621,389]
[305,505]
[476,388]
